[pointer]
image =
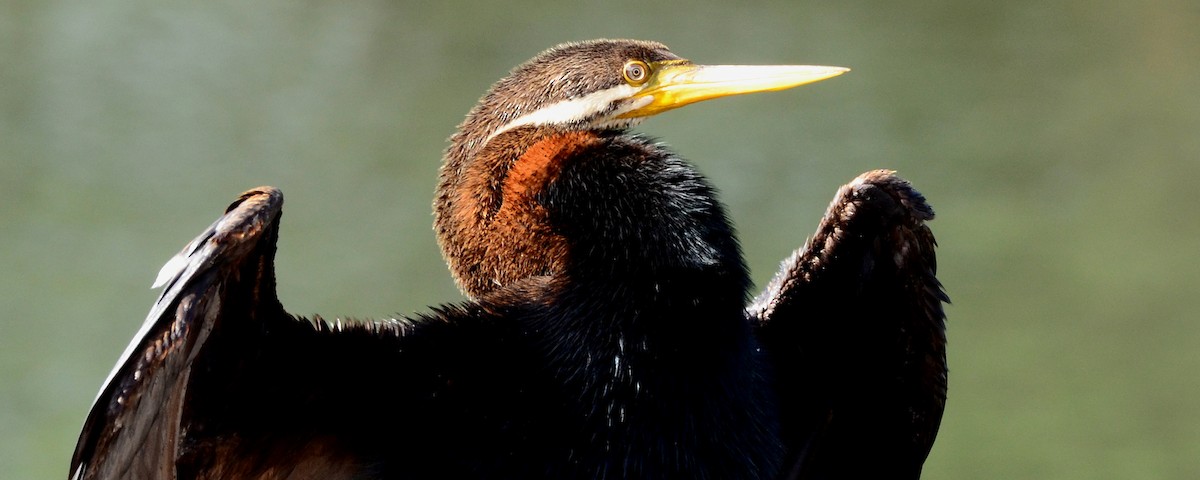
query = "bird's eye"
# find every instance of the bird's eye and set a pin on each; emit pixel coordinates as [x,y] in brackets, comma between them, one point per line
[636,72]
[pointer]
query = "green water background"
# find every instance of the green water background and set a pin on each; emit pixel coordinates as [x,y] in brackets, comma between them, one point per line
[1058,141]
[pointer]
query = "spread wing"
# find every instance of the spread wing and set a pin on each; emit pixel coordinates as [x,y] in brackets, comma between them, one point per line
[134,428]
[221,382]
[854,327]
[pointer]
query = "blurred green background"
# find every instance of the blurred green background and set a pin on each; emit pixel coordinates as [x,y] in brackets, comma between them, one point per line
[1058,141]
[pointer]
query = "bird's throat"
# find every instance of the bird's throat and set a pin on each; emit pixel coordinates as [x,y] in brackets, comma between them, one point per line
[492,227]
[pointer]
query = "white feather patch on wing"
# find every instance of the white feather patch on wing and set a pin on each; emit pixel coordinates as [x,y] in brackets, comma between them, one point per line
[173,275]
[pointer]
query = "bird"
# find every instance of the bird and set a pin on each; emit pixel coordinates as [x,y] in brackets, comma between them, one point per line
[607,328]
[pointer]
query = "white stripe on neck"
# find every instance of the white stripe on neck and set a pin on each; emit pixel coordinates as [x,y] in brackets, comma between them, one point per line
[577,109]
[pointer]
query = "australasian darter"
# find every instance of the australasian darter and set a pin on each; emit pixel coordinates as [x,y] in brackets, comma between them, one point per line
[607,333]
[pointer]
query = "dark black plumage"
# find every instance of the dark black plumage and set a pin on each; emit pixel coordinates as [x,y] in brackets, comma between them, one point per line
[854,328]
[606,337]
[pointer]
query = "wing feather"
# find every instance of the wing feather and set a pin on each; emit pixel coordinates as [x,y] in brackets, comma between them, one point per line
[854,326]
[133,428]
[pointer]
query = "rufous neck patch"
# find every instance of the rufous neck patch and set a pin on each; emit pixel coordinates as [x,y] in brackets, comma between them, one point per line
[542,162]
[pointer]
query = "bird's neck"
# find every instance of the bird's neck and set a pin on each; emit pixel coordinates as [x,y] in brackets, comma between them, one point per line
[538,201]
[490,227]
[637,282]
[653,284]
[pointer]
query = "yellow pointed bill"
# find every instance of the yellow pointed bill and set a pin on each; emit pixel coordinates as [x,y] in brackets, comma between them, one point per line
[675,84]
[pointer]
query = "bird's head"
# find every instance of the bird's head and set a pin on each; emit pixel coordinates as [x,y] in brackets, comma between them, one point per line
[596,86]
[612,84]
